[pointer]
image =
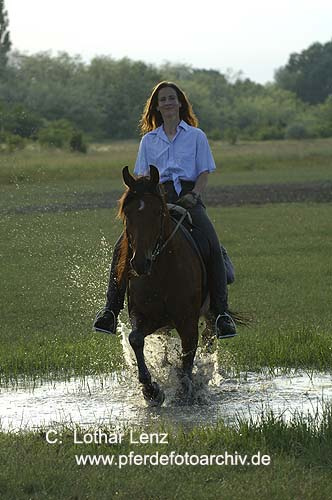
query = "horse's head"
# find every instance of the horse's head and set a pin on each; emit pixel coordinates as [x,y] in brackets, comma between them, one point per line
[144,211]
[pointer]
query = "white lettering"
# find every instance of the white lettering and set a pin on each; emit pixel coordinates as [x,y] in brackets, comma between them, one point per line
[47,436]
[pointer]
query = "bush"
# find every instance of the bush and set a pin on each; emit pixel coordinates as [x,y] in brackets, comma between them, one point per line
[215,134]
[13,142]
[56,134]
[296,131]
[17,120]
[51,137]
[324,131]
[61,134]
[270,133]
[77,143]
[24,123]
[231,135]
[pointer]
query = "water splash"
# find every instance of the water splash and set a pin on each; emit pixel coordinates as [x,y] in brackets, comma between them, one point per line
[163,358]
[89,273]
[116,400]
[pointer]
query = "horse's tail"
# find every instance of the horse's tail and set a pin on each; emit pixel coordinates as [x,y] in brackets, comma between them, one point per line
[241,318]
[122,265]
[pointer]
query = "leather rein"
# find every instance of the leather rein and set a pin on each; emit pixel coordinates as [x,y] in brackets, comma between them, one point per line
[159,246]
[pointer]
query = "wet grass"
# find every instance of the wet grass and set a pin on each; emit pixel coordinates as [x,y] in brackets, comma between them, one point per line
[299,451]
[281,254]
[53,279]
[55,271]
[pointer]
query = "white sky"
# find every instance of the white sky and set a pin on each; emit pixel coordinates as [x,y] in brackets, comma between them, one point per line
[252,36]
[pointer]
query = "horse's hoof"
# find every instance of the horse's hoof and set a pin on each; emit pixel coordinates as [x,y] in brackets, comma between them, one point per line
[154,395]
[185,394]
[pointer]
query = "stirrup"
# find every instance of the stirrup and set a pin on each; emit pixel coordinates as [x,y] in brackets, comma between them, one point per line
[99,315]
[216,330]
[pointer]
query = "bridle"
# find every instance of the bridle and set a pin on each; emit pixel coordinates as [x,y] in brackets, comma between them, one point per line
[160,245]
[159,248]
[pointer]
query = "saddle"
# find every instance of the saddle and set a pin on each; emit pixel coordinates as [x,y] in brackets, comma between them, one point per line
[195,238]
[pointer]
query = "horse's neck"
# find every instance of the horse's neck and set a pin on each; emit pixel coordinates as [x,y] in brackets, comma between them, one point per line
[174,239]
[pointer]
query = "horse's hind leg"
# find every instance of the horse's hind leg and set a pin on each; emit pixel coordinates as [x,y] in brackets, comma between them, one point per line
[151,390]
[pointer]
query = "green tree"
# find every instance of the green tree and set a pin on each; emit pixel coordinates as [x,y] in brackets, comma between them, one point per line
[5,43]
[104,99]
[54,87]
[121,89]
[56,134]
[265,116]
[309,73]
[18,120]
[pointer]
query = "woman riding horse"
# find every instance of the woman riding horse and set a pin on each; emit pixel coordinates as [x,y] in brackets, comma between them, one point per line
[181,153]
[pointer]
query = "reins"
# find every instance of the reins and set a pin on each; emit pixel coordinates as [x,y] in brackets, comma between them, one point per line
[158,249]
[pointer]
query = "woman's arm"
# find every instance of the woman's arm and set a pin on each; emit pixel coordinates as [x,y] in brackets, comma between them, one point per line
[142,164]
[190,199]
[201,183]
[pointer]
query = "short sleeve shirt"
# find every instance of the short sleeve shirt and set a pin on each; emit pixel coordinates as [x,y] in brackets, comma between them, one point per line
[185,157]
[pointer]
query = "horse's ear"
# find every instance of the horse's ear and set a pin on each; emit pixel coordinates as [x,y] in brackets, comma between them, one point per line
[154,174]
[128,178]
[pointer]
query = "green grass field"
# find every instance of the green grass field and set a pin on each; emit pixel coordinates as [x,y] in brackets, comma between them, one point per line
[54,270]
[299,453]
[32,177]
[54,276]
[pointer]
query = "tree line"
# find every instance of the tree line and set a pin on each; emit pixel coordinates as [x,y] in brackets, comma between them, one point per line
[59,99]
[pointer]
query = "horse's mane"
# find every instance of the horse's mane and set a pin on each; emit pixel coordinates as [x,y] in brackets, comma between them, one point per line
[143,186]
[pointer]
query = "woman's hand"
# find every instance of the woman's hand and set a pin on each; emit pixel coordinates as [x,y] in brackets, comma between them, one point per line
[189,200]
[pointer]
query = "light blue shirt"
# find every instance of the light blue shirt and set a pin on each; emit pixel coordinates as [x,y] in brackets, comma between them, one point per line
[185,157]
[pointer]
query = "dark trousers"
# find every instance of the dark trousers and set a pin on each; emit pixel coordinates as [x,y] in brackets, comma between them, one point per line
[216,270]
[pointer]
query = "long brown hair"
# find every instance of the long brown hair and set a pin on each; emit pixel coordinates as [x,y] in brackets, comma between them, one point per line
[151,118]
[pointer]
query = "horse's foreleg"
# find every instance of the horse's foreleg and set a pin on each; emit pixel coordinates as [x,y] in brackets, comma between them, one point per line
[189,340]
[136,340]
[189,347]
[151,390]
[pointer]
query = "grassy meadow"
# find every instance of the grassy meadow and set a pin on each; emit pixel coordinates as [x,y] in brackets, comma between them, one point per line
[55,265]
[35,176]
[299,468]
[54,270]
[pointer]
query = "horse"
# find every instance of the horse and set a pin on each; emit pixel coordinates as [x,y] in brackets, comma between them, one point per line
[165,277]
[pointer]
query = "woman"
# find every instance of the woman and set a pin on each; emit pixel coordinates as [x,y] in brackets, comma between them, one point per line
[173,143]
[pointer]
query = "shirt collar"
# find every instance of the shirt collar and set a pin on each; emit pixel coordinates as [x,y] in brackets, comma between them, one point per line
[160,130]
[184,125]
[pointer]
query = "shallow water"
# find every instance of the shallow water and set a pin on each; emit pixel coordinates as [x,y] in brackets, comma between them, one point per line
[116,399]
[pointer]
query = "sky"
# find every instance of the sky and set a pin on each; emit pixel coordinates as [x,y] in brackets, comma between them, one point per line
[254,37]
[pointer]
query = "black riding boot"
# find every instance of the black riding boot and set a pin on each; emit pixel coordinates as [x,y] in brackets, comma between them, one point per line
[217,276]
[106,319]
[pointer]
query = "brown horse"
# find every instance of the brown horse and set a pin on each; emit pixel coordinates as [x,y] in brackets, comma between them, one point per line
[165,276]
